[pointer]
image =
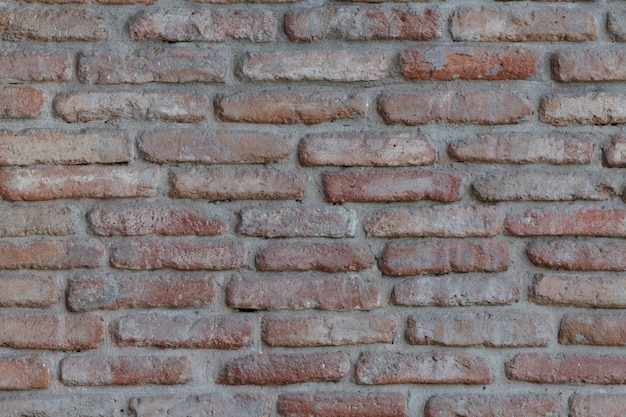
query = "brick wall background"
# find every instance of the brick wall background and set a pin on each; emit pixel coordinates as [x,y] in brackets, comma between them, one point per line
[312,208]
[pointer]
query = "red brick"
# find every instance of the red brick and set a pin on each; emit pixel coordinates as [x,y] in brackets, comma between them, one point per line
[569,254]
[78,182]
[529,405]
[477,107]
[589,65]
[523,148]
[364,23]
[35,291]
[328,330]
[60,405]
[274,369]
[366,149]
[186,255]
[26,220]
[210,25]
[457,291]
[327,257]
[92,370]
[445,256]
[133,220]
[616,24]
[590,328]
[21,103]
[444,63]
[597,405]
[112,2]
[523,24]
[291,108]
[343,404]
[51,254]
[578,291]
[166,290]
[378,368]
[572,221]
[441,221]
[315,65]
[221,404]
[295,292]
[106,106]
[25,372]
[502,329]
[615,155]
[595,108]
[241,183]
[34,66]
[392,186]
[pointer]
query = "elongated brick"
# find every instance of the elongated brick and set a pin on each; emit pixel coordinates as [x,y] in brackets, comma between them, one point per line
[579,291]
[569,254]
[328,257]
[21,103]
[529,405]
[235,405]
[51,254]
[83,405]
[596,405]
[342,404]
[25,372]
[35,291]
[575,220]
[595,108]
[590,328]
[34,66]
[26,220]
[589,65]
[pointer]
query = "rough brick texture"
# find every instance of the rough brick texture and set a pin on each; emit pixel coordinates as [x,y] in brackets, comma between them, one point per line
[609,405]
[592,255]
[221,404]
[579,291]
[25,372]
[328,257]
[342,405]
[531,405]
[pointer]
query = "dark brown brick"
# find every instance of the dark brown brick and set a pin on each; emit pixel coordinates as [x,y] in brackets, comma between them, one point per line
[327,257]
[343,404]
[568,254]
[235,405]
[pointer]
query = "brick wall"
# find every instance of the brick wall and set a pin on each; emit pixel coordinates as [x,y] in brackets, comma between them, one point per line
[312,208]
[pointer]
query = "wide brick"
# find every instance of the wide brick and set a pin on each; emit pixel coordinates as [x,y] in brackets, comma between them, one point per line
[34,66]
[295,292]
[78,182]
[343,404]
[570,254]
[597,405]
[35,291]
[208,147]
[573,368]
[445,63]
[366,149]
[60,405]
[529,405]
[578,291]
[328,330]
[92,370]
[153,65]
[315,65]
[590,328]
[221,404]
[445,256]
[364,23]
[186,255]
[441,221]
[150,290]
[523,148]
[615,155]
[457,291]
[45,146]
[26,220]
[51,254]
[501,329]
[106,106]
[25,372]
[182,331]
[519,25]
[543,186]
[274,369]
[392,186]
[280,107]
[21,103]
[50,24]
[378,368]
[616,24]
[595,108]
[327,257]
[589,65]
[573,221]
[206,25]
[241,183]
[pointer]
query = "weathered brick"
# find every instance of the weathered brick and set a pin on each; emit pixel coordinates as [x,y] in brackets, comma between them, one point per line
[378,368]
[274,369]
[328,330]
[572,221]
[578,291]
[34,66]
[106,106]
[366,149]
[325,221]
[315,65]
[527,24]
[454,106]
[364,23]
[327,257]
[166,290]
[294,292]
[241,183]
[522,148]
[186,255]
[51,254]
[26,220]
[111,2]
[444,256]
[25,372]
[206,25]
[290,108]
[444,63]
[343,404]
[235,405]
[35,291]
[51,183]
[616,23]
[589,65]
[595,108]
[441,221]
[597,405]
[590,328]
[529,405]
[569,254]
[21,103]
[615,155]
[99,370]
[392,186]
[60,405]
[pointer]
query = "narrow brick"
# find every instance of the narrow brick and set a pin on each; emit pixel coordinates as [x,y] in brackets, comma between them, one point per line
[343,404]
[616,24]
[241,183]
[327,257]
[34,291]
[295,292]
[595,108]
[34,66]
[569,221]
[597,405]
[615,155]
[529,405]
[51,183]
[60,405]
[26,220]
[291,108]
[274,369]
[21,103]
[453,106]
[569,254]
[392,186]
[235,405]
[445,256]
[367,149]
[589,65]
[25,372]
[109,2]
[51,254]
[380,368]
[590,328]
[579,291]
